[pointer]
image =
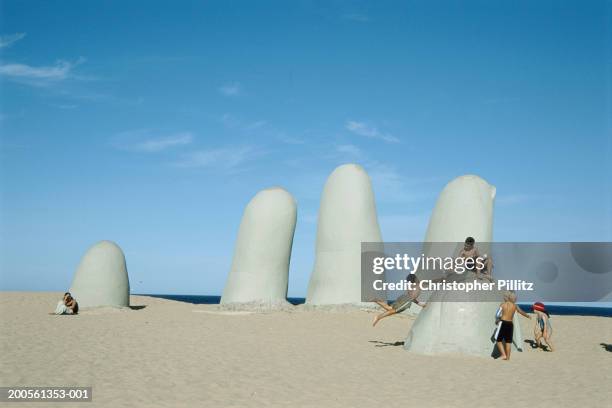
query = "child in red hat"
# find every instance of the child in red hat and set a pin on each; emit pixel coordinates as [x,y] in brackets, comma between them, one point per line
[543,328]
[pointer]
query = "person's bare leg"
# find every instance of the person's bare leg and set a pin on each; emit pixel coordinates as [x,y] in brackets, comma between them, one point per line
[549,343]
[508,348]
[500,347]
[384,305]
[383,315]
[537,335]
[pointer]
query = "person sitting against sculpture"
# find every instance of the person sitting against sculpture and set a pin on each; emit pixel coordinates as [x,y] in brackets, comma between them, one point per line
[68,305]
[403,302]
[505,327]
[470,252]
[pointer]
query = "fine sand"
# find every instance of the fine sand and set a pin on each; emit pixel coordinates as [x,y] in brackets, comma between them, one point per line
[173,354]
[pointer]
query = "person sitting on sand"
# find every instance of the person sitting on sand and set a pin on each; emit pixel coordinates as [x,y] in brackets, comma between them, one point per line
[505,328]
[542,329]
[68,305]
[403,302]
[470,252]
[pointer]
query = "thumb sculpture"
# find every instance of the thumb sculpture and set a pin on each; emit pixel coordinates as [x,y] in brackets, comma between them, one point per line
[347,217]
[260,268]
[101,279]
[451,322]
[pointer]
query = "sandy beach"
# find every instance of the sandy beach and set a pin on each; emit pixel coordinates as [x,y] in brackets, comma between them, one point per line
[174,354]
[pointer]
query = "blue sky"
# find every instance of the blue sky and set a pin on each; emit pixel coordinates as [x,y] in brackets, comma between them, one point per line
[153,124]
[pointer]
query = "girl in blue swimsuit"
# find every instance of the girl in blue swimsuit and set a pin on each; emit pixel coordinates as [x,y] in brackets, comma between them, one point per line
[543,328]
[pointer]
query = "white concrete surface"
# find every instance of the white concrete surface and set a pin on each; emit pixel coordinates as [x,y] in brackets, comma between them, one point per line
[101,279]
[347,217]
[260,267]
[450,323]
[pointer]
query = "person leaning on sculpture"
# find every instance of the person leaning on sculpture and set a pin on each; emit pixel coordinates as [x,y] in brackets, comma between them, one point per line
[68,305]
[505,324]
[403,302]
[470,252]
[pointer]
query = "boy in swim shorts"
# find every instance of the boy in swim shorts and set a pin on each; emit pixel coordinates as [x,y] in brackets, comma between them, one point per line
[505,328]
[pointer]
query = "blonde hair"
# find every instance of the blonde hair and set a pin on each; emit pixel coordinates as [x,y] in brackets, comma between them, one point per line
[510,296]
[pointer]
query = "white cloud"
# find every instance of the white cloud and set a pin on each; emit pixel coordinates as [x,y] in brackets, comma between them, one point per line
[58,71]
[157,145]
[223,158]
[142,141]
[232,89]
[363,129]
[10,39]
[43,75]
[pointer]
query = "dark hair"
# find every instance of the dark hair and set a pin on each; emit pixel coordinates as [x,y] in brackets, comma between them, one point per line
[67,293]
[470,240]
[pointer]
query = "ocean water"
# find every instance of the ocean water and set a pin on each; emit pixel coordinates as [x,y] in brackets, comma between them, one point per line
[572,310]
[552,309]
[208,300]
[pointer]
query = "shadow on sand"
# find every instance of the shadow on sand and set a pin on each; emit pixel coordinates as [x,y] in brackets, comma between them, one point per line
[138,307]
[386,344]
[607,347]
[534,345]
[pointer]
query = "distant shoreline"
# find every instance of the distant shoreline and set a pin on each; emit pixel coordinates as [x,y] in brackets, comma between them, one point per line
[554,309]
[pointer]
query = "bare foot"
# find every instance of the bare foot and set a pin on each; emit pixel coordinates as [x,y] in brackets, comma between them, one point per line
[504,358]
[376,319]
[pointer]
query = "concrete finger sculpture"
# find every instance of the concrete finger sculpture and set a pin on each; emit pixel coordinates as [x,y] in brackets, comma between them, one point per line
[347,217]
[101,279]
[260,268]
[457,322]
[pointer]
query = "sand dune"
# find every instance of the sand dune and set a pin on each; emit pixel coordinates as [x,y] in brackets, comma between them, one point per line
[175,354]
